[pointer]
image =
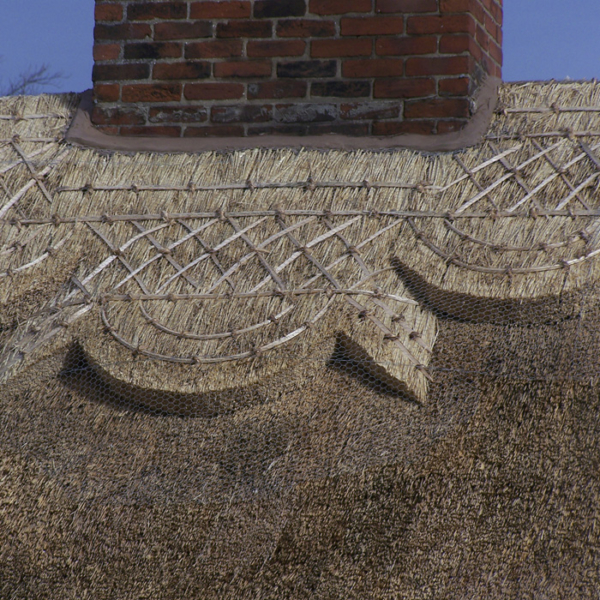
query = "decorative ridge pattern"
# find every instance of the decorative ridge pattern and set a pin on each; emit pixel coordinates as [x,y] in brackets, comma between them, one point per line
[160,244]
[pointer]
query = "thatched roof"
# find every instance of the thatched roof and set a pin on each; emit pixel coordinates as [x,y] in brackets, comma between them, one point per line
[390,358]
[230,259]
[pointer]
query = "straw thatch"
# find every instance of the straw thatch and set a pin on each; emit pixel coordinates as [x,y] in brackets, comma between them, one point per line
[390,361]
[235,263]
[329,489]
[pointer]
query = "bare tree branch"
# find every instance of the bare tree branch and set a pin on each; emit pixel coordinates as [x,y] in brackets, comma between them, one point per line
[30,81]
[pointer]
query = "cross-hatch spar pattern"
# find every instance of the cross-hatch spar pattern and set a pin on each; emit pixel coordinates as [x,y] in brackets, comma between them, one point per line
[226,266]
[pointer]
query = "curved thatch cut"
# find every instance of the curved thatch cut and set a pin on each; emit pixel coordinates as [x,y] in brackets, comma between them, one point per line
[522,207]
[319,489]
[236,260]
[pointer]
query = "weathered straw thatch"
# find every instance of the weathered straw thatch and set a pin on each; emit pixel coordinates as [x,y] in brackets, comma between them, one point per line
[232,258]
[291,302]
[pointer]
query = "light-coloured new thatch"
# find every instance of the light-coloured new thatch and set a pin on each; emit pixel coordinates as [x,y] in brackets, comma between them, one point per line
[237,265]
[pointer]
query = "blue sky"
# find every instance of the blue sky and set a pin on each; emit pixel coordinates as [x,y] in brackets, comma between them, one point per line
[543,39]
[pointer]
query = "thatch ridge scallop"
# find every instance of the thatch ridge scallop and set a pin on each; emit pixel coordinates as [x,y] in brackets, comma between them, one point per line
[285,238]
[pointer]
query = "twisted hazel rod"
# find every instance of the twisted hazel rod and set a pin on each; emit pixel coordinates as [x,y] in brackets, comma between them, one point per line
[373,214]
[388,334]
[195,360]
[189,335]
[50,251]
[288,293]
[507,270]
[583,234]
[546,134]
[309,185]
[546,109]
[512,173]
[10,165]
[34,117]
[31,183]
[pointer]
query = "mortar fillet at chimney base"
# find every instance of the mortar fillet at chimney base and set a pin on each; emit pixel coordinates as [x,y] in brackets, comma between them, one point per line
[244,68]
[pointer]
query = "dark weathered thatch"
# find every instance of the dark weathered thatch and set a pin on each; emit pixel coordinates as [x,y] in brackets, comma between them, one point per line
[329,490]
[432,434]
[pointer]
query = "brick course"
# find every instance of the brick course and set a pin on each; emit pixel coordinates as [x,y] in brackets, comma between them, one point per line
[203,68]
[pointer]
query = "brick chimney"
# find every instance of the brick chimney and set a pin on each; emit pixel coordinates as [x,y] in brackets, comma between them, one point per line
[240,68]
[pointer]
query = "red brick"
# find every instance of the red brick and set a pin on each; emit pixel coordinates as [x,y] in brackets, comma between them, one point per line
[213,91]
[245,113]
[404,88]
[402,127]
[455,44]
[453,6]
[458,86]
[333,48]
[124,31]
[215,131]
[339,7]
[305,28]
[277,89]
[275,48]
[121,72]
[243,69]
[181,31]
[443,24]
[244,29]
[436,108]
[178,114]
[117,116]
[373,68]
[108,12]
[181,70]
[483,39]
[305,113]
[491,27]
[107,51]
[450,65]
[152,50]
[341,89]
[155,131]
[276,9]
[496,52]
[497,12]
[372,26]
[307,68]
[166,92]
[214,49]
[372,111]
[405,46]
[107,92]
[149,11]
[220,10]
[406,6]
[477,11]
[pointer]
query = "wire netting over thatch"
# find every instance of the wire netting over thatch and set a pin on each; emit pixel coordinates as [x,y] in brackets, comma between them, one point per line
[302,374]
